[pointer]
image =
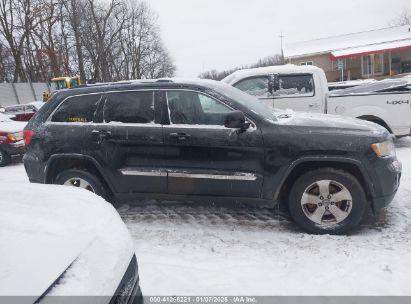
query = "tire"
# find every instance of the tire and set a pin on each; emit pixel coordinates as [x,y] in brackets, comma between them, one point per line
[82,179]
[315,211]
[5,159]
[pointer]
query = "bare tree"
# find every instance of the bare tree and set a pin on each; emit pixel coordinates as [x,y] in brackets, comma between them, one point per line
[267,61]
[102,39]
[101,30]
[402,19]
[142,48]
[6,63]
[75,10]
[16,22]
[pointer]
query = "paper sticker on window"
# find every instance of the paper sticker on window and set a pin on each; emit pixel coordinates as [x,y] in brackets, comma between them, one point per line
[77,119]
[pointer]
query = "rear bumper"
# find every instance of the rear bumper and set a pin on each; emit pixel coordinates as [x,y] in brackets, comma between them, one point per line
[14,148]
[34,169]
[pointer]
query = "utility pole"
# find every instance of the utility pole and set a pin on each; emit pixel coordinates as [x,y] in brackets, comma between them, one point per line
[282,49]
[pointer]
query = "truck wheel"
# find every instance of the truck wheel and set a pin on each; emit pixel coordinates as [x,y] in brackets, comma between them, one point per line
[327,201]
[82,179]
[5,159]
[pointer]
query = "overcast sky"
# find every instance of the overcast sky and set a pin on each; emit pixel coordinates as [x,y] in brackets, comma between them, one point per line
[220,34]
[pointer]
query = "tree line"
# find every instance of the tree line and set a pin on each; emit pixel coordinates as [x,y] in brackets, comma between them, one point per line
[263,62]
[102,40]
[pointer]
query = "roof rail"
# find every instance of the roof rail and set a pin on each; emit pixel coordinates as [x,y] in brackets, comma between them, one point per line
[164,80]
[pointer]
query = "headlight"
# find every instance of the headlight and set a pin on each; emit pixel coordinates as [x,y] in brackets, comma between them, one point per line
[384,149]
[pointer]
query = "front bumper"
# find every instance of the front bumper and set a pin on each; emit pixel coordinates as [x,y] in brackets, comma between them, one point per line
[129,291]
[386,181]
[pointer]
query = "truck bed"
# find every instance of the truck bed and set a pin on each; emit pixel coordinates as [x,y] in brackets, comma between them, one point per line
[390,108]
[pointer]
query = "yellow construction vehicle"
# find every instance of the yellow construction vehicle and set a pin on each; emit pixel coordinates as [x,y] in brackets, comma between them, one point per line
[60,83]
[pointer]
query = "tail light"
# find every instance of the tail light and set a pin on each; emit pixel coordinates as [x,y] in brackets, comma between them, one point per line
[27,134]
[14,137]
[3,138]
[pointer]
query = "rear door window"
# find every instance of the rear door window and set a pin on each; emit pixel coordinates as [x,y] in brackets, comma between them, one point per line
[295,86]
[129,107]
[78,109]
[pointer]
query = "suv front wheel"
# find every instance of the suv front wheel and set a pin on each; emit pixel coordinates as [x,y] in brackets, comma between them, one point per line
[81,179]
[327,201]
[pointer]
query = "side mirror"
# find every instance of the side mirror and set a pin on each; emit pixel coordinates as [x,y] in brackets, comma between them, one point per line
[236,120]
[273,83]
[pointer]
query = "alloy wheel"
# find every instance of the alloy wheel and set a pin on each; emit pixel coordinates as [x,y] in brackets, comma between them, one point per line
[326,202]
[79,183]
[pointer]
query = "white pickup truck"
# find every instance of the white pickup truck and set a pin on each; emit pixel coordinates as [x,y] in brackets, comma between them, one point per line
[304,88]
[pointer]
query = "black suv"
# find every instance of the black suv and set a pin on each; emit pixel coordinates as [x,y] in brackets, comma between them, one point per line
[171,139]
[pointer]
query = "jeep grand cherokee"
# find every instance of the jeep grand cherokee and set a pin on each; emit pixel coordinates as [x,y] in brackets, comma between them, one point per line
[172,139]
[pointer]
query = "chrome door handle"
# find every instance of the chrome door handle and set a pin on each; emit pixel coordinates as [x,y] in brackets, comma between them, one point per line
[180,136]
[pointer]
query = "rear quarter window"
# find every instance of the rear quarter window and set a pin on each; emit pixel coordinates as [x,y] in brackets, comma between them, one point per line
[77,109]
[296,86]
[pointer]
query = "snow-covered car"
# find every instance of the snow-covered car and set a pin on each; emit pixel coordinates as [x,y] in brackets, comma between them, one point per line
[60,242]
[11,139]
[305,89]
[22,112]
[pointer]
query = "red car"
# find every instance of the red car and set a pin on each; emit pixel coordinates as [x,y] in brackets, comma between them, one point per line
[11,139]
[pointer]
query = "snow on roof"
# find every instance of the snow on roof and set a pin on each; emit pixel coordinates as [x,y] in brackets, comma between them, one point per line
[393,37]
[372,49]
[275,69]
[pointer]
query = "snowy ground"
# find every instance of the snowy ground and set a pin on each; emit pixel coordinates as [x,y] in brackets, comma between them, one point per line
[187,249]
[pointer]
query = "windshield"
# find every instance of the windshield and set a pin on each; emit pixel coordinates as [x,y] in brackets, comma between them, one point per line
[58,85]
[248,101]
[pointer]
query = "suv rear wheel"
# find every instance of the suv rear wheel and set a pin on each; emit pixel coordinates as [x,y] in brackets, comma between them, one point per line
[81,179]
[327,201]
[4,158]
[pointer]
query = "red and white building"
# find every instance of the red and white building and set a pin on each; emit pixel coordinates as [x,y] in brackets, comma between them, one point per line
[372,54]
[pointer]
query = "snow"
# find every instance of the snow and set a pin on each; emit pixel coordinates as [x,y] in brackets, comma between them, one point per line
[347,41]
[212,250]
[10,126]
[375,86]
[351,82]
[291,118]
[193,249]
[37,104]
[277,69]
[47,229]
[4,117]
[371,48]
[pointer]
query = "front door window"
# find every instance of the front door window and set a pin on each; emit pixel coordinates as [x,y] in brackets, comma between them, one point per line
[187,107]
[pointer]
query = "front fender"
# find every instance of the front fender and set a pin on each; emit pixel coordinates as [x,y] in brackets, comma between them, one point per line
[289,171]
